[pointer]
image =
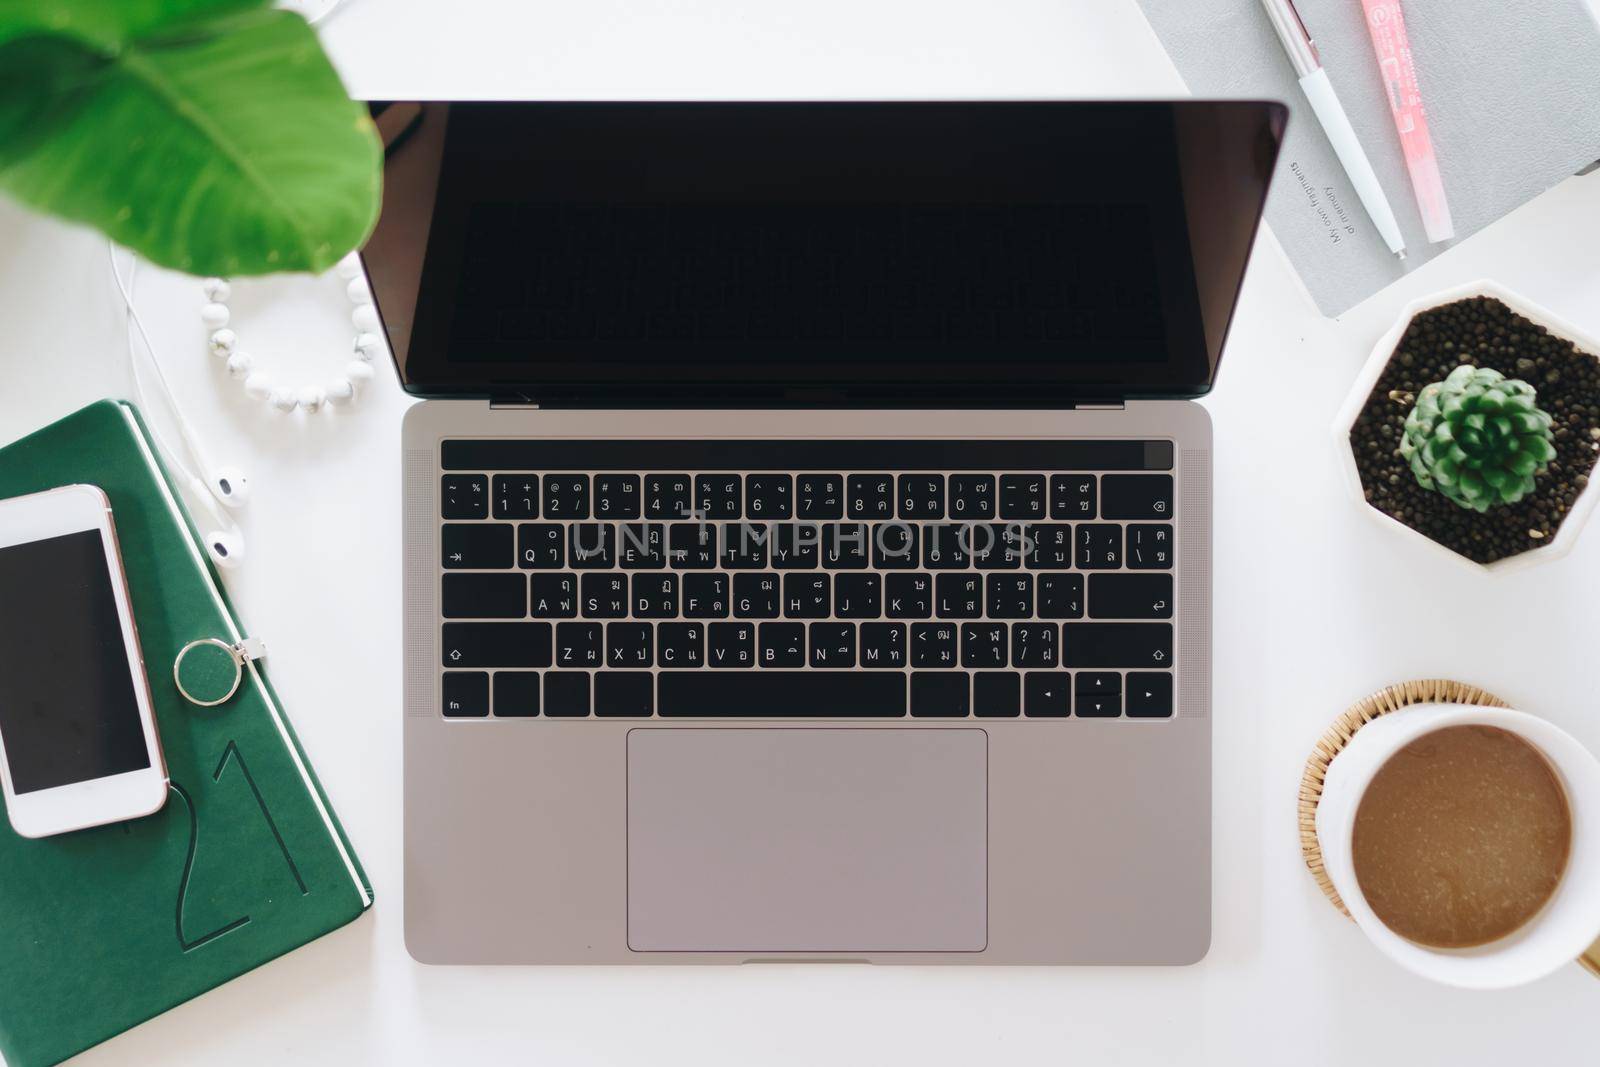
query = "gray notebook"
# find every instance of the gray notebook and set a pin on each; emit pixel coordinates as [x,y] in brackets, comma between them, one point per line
[1512,92]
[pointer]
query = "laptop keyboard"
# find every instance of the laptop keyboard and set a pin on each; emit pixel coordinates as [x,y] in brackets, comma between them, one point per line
[571,591]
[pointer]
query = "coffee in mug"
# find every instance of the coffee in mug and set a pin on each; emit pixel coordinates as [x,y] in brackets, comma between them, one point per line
[1461,837]
[1465,842]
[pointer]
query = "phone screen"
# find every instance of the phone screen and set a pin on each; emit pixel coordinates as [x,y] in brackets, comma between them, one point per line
[68,710]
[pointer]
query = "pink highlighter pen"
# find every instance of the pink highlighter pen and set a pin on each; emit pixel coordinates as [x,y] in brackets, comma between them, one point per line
[1388,29]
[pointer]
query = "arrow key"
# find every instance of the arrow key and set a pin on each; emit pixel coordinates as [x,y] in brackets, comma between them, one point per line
[1103,706]
[1089,683]
[1047,694]
[1149,695]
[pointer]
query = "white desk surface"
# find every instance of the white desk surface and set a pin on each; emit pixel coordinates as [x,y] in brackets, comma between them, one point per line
[1315,605]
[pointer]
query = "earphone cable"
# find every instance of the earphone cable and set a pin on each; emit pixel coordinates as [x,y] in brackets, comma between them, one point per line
[134,322]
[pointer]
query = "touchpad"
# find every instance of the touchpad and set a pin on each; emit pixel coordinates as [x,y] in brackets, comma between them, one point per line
[807,840]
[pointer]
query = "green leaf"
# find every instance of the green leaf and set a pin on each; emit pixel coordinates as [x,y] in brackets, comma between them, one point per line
[112,22]
[207,135]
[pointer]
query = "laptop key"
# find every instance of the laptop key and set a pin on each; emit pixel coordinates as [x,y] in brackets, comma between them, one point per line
[1072,496]
[857,596]
[641,546]
[624,694]
[580,644]
[484,596]
[1130,596]
[1010,596]
[1117,644]
[616,496]
[692,545]
[1150,546]
[744,545]
[495,644]
[1093,683]
[1051,544]
[1099,546]
[667,496]
[604,596]
[555,596]
[894,546]
[959,596]
[795,545]
[908,596]
[718,496]
[819,496]
[940,694]
[566,694]
[947,546]
[516,496]
[731,644]
[477,545]
[921,496]
[566,496]
[998,545]
[883,644]
[775,694]
[783,644]
[1136,496]
[807,596]
[516,694]
[769,496]
[465,694]
[1098,705]
[1047,694]
[680,644]
[541,546]
[705,596]
[845,545]
[1149,694]
[933,644]
[871,496]
[1022,496]
[629,644]
[655,596]
[464,496]
[591,546]
[996,694]
[833,644]
[983,644]
[756,596]
[1060,596]
[1033,644]
[972,496]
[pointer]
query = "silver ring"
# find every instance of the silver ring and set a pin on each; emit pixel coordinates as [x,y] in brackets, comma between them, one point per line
[234,653]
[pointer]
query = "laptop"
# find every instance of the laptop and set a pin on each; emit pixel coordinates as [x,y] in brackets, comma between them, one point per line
[807,528]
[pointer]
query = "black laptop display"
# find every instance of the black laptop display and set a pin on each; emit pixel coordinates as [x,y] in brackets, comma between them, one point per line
[919,249]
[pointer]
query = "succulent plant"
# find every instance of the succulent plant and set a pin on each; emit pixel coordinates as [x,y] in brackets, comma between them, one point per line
[1478,437]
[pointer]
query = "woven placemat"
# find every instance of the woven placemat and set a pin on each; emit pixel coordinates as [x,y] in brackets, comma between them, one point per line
[1331,743]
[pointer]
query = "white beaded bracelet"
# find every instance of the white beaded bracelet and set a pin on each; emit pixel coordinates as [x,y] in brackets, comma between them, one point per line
[338,392]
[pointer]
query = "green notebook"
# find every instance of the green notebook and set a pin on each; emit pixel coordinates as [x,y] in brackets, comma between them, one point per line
[105,928]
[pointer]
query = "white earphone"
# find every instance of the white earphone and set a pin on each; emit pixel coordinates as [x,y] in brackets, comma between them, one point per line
[226,486]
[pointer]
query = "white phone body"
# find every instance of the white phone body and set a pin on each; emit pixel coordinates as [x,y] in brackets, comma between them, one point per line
[57,789]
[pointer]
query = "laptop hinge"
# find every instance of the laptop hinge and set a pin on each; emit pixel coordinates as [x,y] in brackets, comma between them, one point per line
[789,398]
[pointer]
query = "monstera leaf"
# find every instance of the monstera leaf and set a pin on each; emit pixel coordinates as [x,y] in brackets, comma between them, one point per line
[210,136]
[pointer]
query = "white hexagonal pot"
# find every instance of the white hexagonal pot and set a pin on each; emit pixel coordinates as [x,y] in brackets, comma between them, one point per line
[1574,522]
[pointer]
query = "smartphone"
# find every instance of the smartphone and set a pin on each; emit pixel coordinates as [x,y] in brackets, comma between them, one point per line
[78,741]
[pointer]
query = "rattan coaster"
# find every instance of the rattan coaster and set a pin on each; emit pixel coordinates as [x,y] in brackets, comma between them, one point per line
[1357,715]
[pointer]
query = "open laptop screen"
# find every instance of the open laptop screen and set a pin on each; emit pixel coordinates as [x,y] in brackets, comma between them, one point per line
[983,247]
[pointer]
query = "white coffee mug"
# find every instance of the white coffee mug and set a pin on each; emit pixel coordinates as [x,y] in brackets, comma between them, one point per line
[1568,926]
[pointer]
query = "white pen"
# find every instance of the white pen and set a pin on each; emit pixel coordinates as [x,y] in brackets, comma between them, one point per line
[1335,123]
